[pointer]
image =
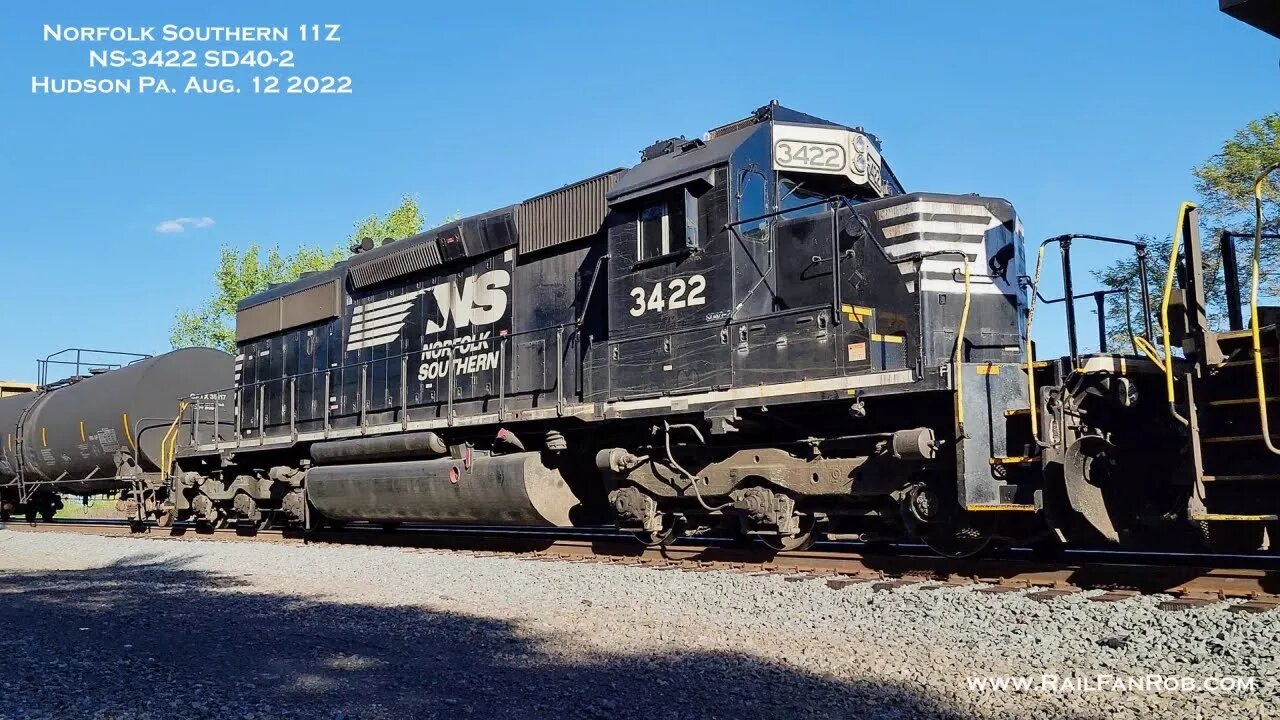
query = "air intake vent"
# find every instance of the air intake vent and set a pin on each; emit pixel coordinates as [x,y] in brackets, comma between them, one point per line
[416,254]
[571,213]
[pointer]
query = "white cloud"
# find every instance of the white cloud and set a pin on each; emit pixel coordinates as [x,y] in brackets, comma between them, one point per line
[178,225]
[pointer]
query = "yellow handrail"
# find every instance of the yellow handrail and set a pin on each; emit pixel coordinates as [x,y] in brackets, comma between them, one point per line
[1259,380]
[1150,351]
[1031,360]
[169,443]
[1183,209]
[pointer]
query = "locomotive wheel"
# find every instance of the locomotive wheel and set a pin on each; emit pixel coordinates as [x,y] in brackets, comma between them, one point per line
[31,514]
[164,518]
[5,514]
[671,530]
[802,540]
[956,542]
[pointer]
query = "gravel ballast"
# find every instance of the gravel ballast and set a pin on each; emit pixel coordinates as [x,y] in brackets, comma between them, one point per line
[109,627]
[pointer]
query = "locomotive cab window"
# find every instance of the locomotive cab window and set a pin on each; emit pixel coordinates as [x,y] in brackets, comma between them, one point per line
[661,228]
[655,232]
[794,193]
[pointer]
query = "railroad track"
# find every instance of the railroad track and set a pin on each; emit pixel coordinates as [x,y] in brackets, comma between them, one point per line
[1250,583]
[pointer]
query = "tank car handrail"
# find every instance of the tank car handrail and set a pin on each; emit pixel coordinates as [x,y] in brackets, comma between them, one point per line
[42,366]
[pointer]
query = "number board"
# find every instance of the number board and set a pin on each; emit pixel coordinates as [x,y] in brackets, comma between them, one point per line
[828,150]
[810,156]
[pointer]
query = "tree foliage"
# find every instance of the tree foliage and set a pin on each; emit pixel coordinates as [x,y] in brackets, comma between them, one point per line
[244,272]
[406,220]
[1224,183]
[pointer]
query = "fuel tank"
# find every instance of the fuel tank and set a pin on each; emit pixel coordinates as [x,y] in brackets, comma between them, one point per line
[72,432]
[515,489]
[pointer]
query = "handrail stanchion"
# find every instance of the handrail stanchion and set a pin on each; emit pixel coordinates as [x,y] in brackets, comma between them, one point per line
[328,402]
[404,391]
[364,398]
[449,401]
[560,370]
[502,378]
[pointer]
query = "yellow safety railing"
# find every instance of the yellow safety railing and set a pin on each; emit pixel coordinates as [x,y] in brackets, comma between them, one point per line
[1030,353]
[1149,350]
[1183,209]
[1259,379]
[169,443]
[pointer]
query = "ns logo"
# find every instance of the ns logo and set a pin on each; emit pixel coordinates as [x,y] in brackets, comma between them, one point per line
[476,300]
[481,299]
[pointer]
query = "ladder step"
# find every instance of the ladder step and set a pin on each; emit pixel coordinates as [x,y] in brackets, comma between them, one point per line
[1231,438]
[1014,412]
[1266,360]
[1235,478]
[1016,460]
[1240,401]
[1218,517]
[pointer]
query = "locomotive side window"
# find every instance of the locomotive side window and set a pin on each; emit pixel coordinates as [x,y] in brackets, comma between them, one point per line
[753,201]
[655,232]
[659,223]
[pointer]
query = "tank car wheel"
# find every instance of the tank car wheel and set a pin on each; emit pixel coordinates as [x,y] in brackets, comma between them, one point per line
[802,540]
[31,514]
[5,515]
[47,513]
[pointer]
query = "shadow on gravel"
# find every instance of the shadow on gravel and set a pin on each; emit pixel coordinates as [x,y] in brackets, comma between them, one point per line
[151,639]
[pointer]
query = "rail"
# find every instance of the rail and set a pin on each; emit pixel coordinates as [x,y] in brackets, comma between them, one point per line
[261,422]
[1064,244]
[1256,338]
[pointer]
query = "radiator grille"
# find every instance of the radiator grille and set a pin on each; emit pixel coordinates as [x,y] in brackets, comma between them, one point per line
[417,254]
[564,215]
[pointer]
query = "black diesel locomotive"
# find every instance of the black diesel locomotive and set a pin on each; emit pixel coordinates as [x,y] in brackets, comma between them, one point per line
[756,332]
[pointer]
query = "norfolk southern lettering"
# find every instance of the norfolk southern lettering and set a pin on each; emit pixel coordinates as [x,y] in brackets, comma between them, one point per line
[190,33]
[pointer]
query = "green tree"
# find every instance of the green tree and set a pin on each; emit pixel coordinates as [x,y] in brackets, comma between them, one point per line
[1224,183]
[406,220]
[242,273]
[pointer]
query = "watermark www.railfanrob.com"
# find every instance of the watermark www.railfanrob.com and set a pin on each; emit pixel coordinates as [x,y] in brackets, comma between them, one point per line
[1052,683]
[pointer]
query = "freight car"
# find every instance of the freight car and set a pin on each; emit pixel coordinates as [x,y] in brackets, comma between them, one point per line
[756,330]
[102,431]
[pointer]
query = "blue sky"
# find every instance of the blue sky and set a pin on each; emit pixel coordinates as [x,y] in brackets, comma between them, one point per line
[1088,116]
